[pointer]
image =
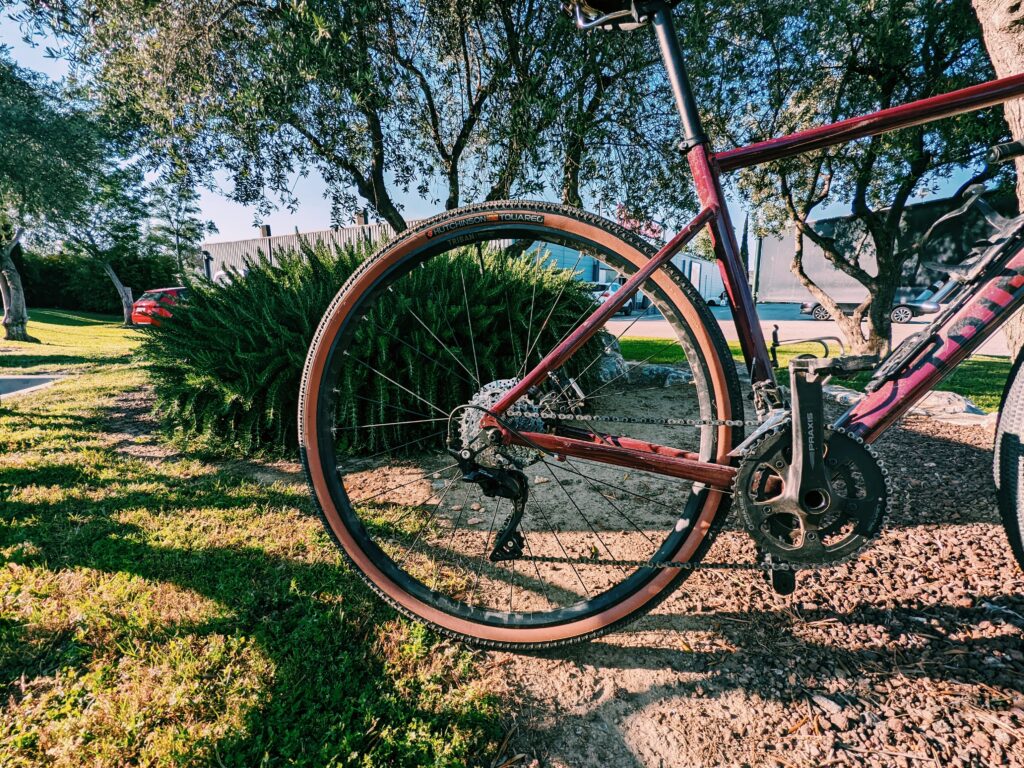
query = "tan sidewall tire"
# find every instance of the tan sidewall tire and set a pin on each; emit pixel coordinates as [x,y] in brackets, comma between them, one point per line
[691,309]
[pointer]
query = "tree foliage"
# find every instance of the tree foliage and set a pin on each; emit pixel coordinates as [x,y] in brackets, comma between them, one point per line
[817,62]
[178,229]
[454,101]
[48,153]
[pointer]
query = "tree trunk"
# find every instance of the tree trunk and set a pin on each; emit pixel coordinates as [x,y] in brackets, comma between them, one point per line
[123,291]
[849,326]
[13,294]
[1002,26]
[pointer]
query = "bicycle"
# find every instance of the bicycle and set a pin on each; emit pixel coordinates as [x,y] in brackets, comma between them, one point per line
[543,491]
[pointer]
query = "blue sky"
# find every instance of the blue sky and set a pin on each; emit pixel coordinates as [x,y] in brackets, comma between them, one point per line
[235,221]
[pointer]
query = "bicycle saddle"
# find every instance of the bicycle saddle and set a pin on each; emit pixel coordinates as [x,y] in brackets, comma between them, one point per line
[616,14]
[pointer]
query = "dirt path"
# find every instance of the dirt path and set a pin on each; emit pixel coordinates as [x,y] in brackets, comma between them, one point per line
[910,656]
[913,655]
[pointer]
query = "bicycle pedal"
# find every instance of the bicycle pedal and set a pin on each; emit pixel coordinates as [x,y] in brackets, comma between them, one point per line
[835,366]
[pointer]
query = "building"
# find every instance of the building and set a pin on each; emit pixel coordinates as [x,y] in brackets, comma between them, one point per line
[773,281]
[223,258]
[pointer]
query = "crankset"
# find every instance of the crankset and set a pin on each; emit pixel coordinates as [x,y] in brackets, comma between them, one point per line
[824,525]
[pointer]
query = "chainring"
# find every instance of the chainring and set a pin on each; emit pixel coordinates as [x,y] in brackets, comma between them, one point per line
[853,516]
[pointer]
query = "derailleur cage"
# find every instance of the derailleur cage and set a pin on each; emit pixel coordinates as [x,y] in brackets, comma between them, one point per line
[499,483]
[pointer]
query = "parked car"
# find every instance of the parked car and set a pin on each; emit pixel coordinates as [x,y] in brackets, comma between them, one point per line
[928,302]
[603,291]
[721,300]
[157,303]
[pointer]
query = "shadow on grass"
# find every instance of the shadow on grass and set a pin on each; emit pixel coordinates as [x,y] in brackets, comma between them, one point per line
[54,361]
[335,694]
[67,318]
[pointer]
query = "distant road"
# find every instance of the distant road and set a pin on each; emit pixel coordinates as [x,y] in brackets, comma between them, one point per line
[792,325]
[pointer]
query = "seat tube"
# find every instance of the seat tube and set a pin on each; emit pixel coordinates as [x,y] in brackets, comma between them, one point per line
[709,190]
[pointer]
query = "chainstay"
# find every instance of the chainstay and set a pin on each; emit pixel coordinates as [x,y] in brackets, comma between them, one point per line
[684,566]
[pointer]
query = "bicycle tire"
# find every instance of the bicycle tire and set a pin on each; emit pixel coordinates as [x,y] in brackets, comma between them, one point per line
[706,510]
[1008,460]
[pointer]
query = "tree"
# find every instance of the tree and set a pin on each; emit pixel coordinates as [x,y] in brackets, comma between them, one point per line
[457,101]
[1002,23]
[111,220]
[825,61]
[48,153]
[177,228]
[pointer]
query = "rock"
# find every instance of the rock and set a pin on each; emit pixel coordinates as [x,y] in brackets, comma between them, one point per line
[826,704]
[677,377]
[646,375]
[474,521]
[842,395]
[612,364]
[840,721]
[610,367]
[945,403]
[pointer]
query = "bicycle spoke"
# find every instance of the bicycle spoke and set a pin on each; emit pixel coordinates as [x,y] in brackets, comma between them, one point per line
[421,353]
[469,320]
[585,520]
[445,346]
[396,487]
[403,386]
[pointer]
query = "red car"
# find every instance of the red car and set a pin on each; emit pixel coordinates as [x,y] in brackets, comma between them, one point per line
[157,303]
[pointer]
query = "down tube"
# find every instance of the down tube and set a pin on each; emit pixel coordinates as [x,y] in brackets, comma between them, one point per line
[959,336]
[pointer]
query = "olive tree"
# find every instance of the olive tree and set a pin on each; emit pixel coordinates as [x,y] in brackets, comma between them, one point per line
[49,151]
[113,218]
[178,228]
[454,102]
[1002,23]
[816,62]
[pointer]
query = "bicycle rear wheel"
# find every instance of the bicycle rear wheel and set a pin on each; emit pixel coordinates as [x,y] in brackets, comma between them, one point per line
[433,330]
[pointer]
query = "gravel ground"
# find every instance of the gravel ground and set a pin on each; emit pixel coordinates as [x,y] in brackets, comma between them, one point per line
[911,655]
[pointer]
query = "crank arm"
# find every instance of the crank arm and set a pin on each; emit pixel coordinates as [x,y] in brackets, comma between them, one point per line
[807,473]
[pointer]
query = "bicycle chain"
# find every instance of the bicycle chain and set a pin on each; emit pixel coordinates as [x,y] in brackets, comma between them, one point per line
[766,566]
[636,420]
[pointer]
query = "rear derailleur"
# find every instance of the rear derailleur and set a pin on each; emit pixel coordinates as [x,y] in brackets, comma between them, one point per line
[809,495]
[497,482]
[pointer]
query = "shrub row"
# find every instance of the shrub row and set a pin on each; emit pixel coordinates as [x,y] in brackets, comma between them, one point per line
[227,367]
[72,281]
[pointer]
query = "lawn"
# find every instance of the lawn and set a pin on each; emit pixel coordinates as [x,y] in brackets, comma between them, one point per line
[169,611]
[981,378]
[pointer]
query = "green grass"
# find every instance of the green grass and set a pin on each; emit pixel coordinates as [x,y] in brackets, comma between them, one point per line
[176,612]
[980,378]
[70,342]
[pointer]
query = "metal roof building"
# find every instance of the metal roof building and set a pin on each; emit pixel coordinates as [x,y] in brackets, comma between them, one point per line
[232,256]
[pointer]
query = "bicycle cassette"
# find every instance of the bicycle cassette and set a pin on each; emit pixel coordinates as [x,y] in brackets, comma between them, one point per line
[832,525]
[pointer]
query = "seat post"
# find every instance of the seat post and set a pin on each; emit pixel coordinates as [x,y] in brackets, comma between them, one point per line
[672,55]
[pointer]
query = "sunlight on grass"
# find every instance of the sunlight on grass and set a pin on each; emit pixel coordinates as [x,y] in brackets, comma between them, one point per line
[176,612]
[69,342]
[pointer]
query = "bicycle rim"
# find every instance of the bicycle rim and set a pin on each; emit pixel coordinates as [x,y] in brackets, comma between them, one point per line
[374,426]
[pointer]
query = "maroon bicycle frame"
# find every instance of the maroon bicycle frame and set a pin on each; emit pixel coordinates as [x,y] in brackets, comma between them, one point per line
[990,305]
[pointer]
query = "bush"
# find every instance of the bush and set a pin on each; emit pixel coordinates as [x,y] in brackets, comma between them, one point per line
[227,367]
[72,281]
